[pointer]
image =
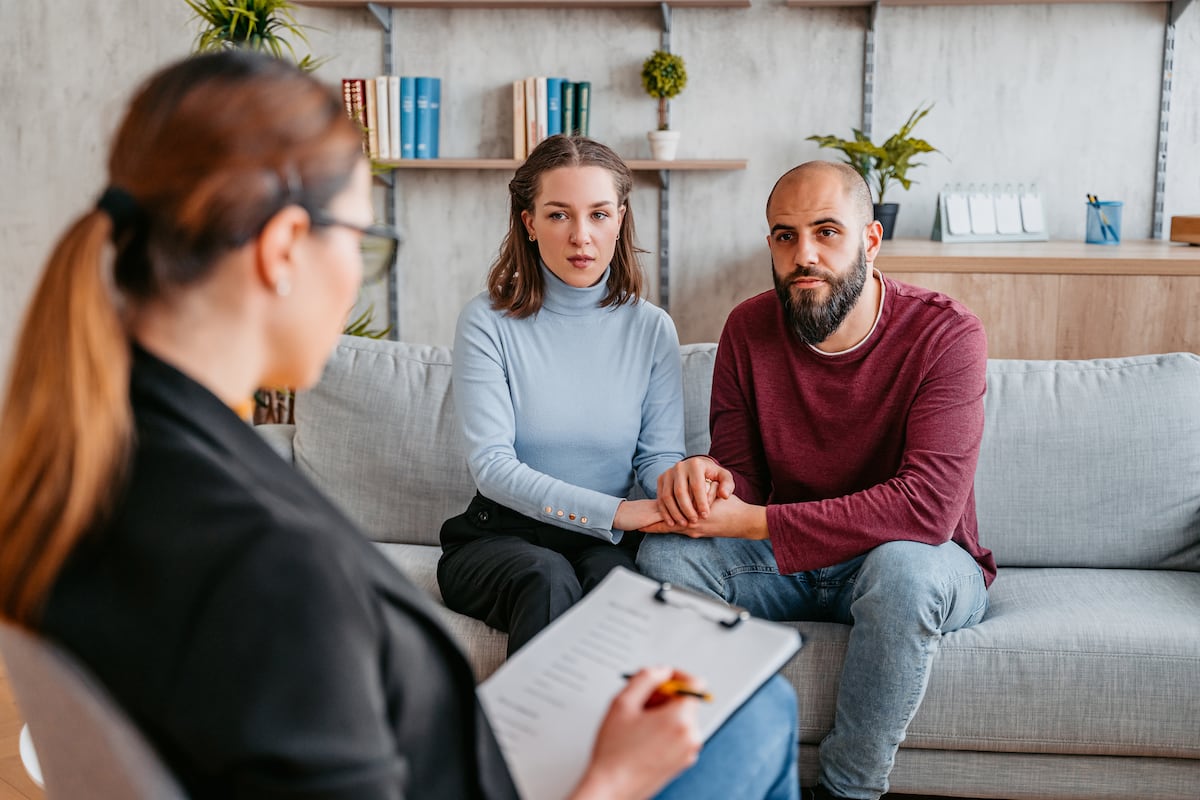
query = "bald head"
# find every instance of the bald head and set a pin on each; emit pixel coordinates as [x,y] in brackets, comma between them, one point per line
[857,190]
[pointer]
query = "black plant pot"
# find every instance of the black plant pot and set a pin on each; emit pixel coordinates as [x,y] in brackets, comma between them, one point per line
[886,214]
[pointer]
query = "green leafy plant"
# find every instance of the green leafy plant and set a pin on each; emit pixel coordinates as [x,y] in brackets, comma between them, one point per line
[663,77]
[881,164]
[264,25]
[361,326]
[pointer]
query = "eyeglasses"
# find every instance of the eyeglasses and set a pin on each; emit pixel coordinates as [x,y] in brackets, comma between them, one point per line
[379,244]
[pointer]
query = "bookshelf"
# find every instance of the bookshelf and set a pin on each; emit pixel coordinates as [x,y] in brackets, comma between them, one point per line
[382,13]
[637,165]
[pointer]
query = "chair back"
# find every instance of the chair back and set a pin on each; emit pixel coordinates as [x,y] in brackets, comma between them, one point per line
[87,747]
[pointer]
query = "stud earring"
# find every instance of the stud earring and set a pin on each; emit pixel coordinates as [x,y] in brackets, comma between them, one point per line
[283,286]
[532,238]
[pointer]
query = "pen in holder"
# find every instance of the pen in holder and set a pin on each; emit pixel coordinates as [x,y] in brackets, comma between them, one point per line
[1103,221]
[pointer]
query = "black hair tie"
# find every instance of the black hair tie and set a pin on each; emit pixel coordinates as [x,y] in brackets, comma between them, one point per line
[121,208]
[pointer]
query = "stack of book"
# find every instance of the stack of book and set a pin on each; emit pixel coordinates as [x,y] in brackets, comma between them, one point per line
[399,115]
[545,106]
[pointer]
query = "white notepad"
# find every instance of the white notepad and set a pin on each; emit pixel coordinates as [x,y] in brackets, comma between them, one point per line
[546,703]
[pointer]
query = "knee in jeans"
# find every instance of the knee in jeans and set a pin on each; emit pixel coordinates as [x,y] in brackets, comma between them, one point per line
[668,557]
[902,574]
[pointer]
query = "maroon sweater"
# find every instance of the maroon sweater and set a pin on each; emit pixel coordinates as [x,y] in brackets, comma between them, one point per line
[852,450]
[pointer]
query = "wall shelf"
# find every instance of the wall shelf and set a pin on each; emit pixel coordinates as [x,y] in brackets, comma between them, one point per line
[445,4]
[637,165]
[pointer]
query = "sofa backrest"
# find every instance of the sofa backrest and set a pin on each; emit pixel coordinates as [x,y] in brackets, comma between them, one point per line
[1092,463]
[378,434]
[1084,463]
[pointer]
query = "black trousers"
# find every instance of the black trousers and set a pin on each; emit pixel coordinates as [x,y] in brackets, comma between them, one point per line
[518,574]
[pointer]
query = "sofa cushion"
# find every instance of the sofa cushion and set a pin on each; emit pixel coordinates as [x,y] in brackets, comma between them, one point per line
[1099,662]
[485,647]
[1092,463]
[378,435]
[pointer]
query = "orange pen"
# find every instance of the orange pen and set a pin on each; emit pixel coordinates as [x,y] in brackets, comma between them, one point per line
[677,688]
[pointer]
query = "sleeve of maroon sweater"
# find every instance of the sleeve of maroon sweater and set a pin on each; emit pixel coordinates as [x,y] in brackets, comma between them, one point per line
[923,502]
[736,438]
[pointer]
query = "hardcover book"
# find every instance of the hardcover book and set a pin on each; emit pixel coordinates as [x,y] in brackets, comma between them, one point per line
[518,126]
[435,117]
[383,117]
[354,98]
[372,121]
[554,106]
[530,113]
[567,103]
[395,147]
[424,87]
[583,102]
[408,117]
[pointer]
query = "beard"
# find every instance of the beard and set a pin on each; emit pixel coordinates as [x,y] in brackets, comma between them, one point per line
[814,320]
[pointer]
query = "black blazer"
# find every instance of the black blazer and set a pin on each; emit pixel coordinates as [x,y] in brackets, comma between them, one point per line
[262,643]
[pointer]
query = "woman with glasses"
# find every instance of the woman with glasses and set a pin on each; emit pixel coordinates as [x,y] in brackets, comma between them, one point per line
[251,632]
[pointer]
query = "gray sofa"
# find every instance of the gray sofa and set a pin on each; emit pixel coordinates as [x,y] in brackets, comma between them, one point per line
[1083,680]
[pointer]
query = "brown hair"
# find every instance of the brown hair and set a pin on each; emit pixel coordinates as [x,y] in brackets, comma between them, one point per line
[210,150]
[515,280]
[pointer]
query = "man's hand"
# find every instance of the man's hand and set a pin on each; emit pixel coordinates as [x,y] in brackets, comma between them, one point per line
[687,490]
[731,518]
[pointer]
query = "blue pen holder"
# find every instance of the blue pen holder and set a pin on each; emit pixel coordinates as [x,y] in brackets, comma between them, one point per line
[1104,222]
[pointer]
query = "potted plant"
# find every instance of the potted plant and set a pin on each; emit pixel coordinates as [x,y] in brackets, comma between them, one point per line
[256,24]
[663,77]
[881,164]
[266,25]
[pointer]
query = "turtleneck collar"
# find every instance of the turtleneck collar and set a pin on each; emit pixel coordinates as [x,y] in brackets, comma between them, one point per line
[569,300]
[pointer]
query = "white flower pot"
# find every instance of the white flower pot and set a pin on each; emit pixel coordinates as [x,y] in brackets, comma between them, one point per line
[663,144]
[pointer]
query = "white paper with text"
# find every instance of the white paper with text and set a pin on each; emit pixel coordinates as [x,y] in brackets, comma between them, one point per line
[546,703]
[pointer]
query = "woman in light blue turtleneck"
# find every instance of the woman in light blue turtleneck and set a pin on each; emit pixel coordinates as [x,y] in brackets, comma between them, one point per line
[568,388]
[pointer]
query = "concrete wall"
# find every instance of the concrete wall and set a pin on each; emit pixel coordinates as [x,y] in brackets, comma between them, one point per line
[1062,95]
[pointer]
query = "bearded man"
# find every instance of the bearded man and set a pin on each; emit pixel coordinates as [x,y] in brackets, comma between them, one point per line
[846,417]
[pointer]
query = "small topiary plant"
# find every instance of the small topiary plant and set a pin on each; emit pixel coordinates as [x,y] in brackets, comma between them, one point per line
[663,77]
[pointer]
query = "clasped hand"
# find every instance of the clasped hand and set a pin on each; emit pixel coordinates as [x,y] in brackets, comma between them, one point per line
[695,498]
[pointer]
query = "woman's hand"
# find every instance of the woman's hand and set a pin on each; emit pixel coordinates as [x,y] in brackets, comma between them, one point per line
[635,514]
[638,750]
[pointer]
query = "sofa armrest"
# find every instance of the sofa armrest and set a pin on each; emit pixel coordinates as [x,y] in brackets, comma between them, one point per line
[280,438]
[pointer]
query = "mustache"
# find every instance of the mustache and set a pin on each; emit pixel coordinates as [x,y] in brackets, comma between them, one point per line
[809,272]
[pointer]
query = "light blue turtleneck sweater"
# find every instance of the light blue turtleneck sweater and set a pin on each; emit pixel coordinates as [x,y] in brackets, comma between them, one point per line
[562,410]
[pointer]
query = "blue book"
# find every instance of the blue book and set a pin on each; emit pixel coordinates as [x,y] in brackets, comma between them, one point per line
[554,106]
[408,117]
[424,118]
[568,108]
[435,117]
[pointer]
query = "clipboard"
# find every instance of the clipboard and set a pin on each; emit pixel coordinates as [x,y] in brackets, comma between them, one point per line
[546,703]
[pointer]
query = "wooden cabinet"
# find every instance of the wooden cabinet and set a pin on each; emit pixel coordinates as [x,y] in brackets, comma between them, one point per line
[1064,299]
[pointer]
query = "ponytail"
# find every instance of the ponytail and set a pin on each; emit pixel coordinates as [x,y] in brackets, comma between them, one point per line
[210,149]
[66,423]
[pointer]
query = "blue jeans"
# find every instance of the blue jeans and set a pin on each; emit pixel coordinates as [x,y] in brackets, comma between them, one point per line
[753,755]
[900,598]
